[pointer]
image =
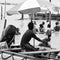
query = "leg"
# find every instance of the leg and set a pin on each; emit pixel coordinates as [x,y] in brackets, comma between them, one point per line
[29,47]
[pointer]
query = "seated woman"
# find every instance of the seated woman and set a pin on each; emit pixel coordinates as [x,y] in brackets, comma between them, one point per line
[8,34]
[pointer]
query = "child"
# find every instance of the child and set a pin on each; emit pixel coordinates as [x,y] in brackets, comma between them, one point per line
[41,28]
[48,32]
[57,27]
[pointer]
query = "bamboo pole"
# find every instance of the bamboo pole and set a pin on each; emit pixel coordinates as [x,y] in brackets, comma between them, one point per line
[5,21]
[1,12]
[33,38]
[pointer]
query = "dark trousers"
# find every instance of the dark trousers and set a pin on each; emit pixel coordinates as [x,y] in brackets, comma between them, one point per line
[28,47]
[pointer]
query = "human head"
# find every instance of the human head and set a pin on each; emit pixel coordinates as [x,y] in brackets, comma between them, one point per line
[43,23]
[49,25]
[31,25]
[57,23]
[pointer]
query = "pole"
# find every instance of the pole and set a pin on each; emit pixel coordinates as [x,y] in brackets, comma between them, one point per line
[5,10]
[5,23]
[50,17]
[5,16]
[46,15]
[1,12]
[49,0]
[58,11]
[22,16]
[33,38]
[50,14]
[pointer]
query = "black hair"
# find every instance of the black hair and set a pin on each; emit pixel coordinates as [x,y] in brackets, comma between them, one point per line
[43,23]
[57,23]
[31,25]
[49,25]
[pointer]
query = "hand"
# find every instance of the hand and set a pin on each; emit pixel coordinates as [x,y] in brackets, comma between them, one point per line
[46,39]
[44,42]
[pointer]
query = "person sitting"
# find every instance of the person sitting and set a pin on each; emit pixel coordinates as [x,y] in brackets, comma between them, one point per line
[27,37]
[41,28]
[57,27]
[8,34]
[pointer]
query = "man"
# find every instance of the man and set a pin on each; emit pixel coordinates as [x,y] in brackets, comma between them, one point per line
[8,34]
[27,37]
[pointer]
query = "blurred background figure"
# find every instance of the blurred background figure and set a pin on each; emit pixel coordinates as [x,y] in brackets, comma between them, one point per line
[57,27]
[48,32]
[41,28]
[8,34]
[43,23]
[35,30]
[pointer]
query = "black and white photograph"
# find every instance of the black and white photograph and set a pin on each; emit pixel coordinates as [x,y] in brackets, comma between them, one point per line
[29,29]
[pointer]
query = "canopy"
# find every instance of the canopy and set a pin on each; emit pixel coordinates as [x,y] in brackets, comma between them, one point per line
[31,6]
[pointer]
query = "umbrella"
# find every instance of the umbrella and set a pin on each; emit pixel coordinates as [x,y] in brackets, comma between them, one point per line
[31,6]
[36,3]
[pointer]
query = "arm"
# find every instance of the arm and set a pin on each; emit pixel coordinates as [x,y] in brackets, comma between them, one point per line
[38,39]
[43,41]
[3,36]
[34,36]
